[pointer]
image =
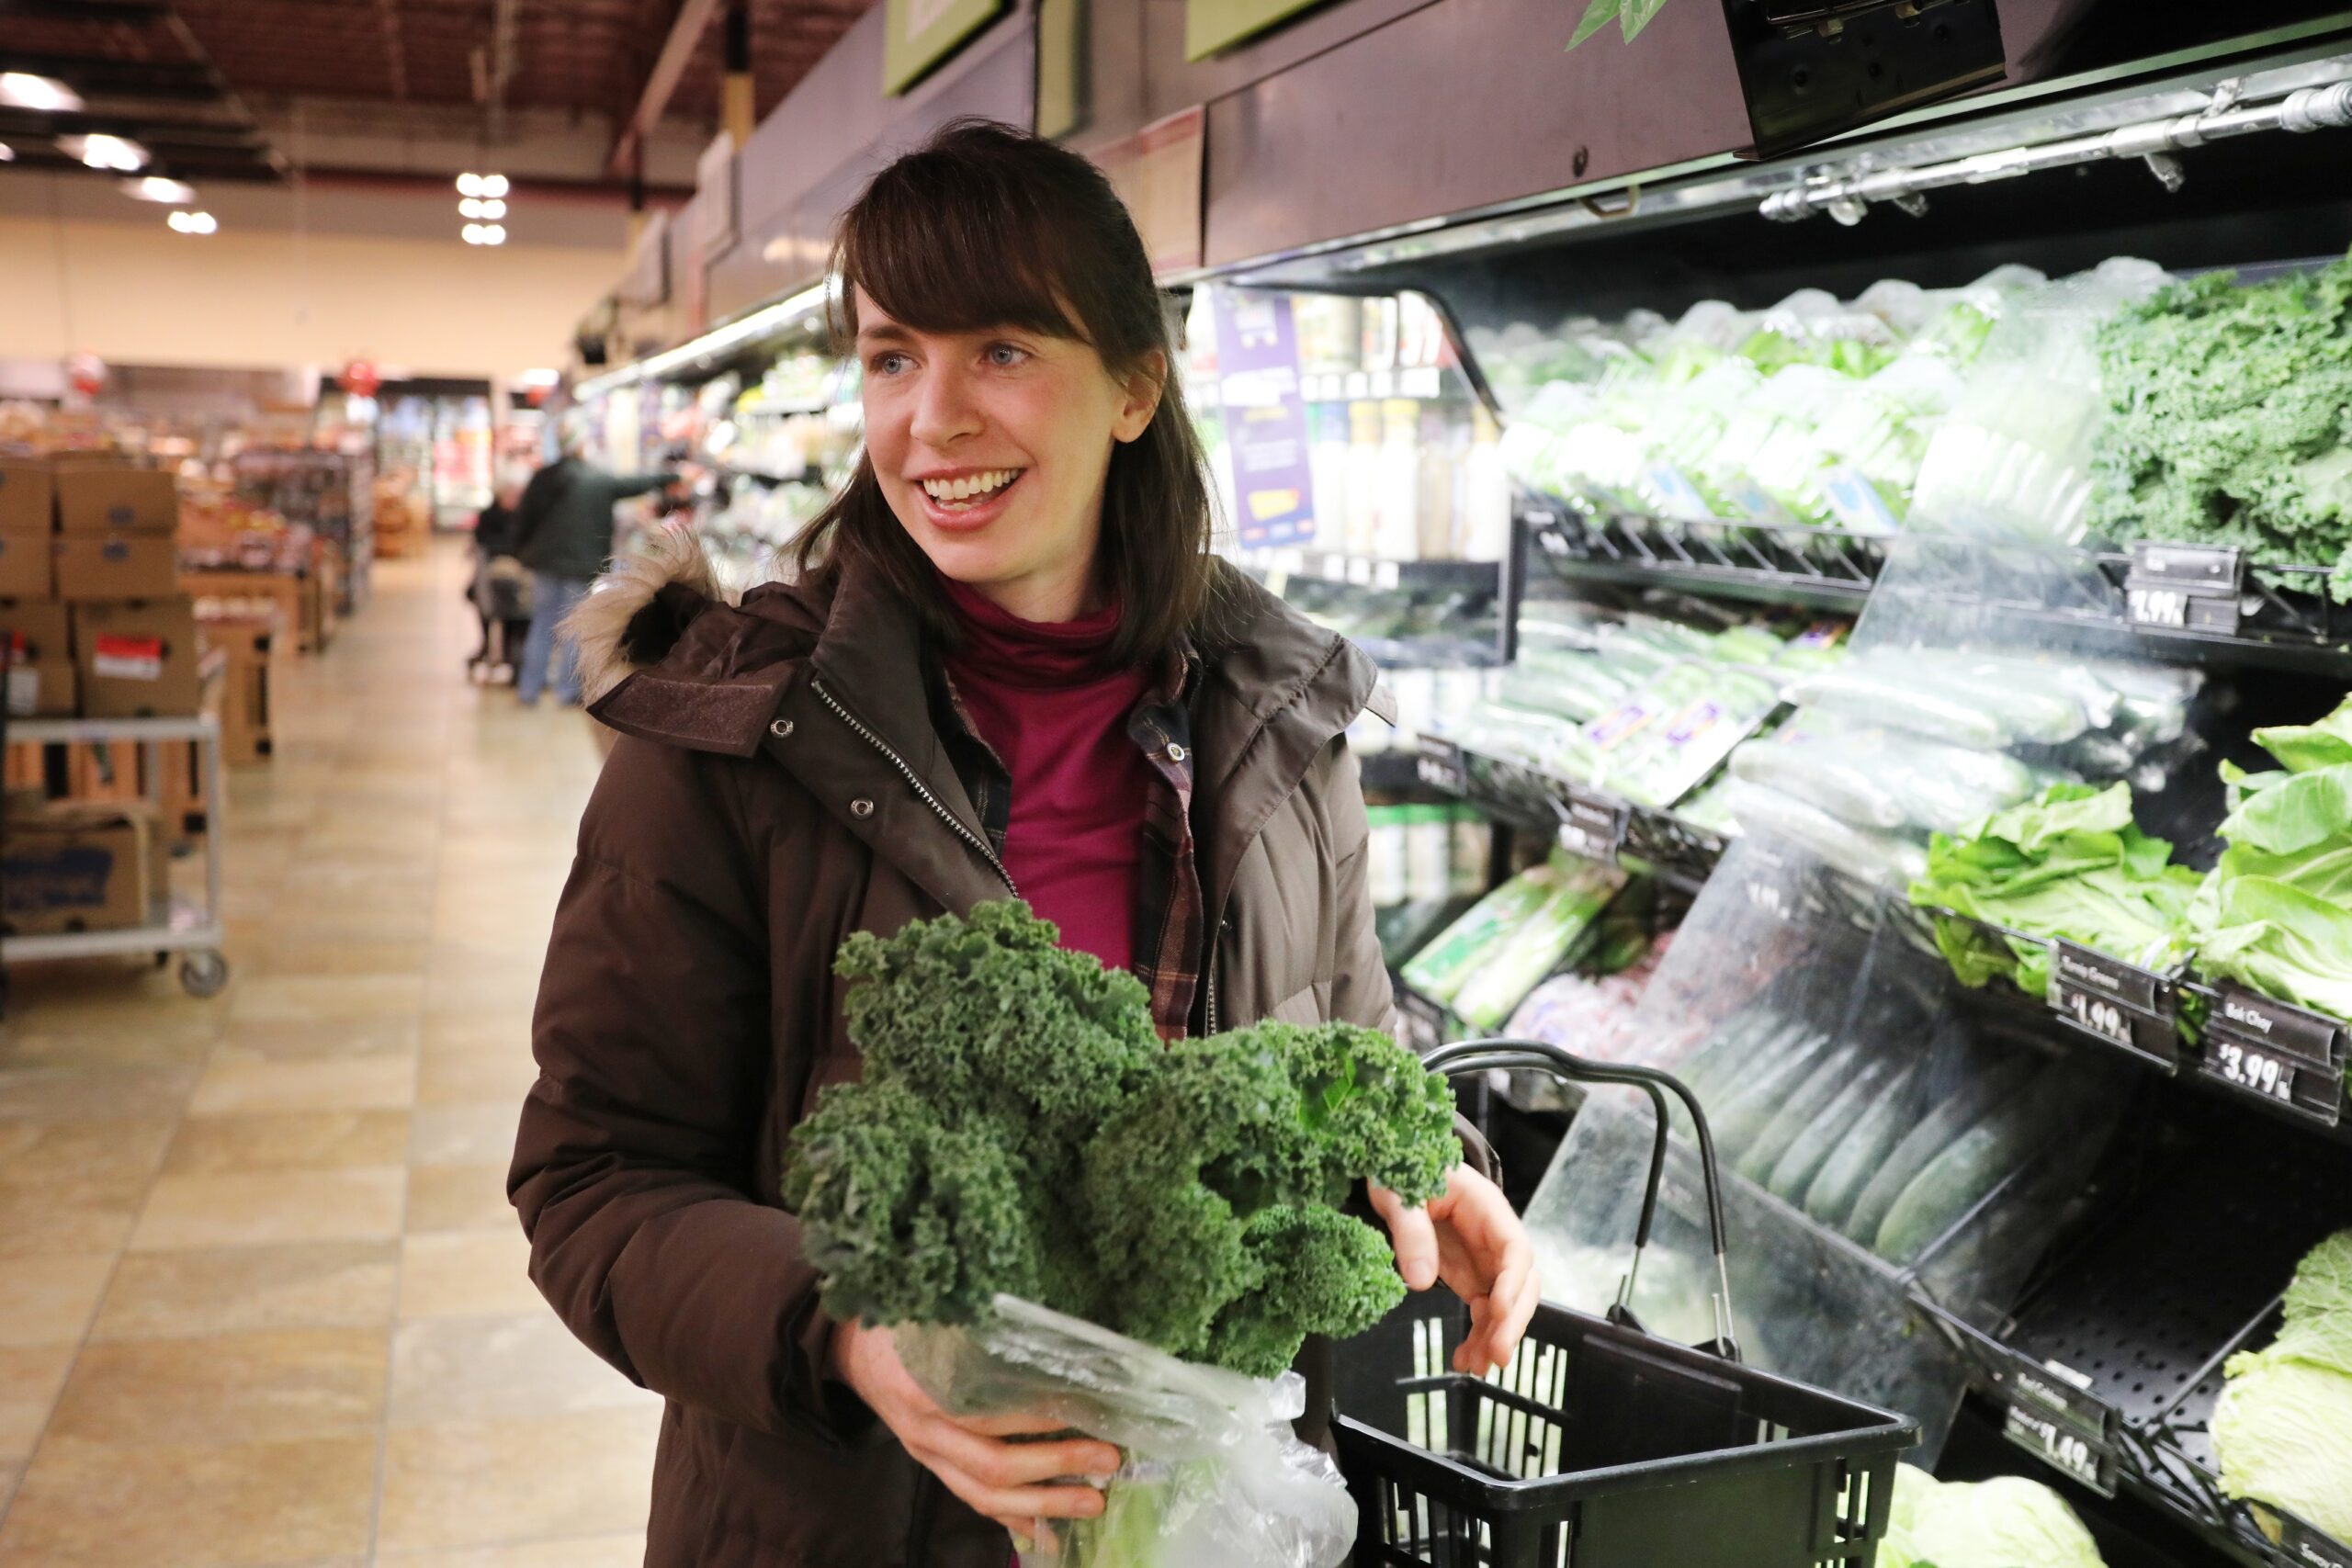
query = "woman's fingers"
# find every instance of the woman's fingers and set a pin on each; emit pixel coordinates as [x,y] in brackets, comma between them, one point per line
[1008,1466]
[1413,1234]
[1009,1425]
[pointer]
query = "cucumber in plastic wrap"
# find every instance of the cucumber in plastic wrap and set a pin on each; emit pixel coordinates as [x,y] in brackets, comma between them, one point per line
[1806,1103]
[1817,1138]
[1863,1148]
[1750,1107]
[1972,1165]
[1988,1092]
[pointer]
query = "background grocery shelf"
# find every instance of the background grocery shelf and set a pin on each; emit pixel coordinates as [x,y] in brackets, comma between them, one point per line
[1831,568]
[1278,568]
[1590,822]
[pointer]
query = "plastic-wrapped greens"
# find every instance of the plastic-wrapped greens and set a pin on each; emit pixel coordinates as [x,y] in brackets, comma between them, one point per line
[1874,857]
[1883,779]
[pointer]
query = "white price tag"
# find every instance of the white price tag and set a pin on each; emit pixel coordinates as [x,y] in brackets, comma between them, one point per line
[2165,607]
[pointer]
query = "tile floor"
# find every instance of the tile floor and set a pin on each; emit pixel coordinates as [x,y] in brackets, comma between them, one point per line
[262,1300]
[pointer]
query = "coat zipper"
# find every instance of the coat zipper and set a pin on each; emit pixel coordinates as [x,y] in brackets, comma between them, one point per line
[915,782]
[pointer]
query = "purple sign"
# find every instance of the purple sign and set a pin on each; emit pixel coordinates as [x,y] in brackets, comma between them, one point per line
[1265,418]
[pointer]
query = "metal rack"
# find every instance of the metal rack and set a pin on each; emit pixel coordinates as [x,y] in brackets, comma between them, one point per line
[1833,568]
[195,932]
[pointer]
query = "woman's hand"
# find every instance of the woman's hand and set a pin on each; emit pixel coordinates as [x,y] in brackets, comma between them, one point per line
[1002,1481]
[1467,1236]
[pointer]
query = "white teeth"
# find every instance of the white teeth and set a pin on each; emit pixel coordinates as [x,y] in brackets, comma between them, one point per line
[969,485]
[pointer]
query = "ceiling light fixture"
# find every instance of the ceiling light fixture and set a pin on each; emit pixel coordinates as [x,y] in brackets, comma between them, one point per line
[494,233]
[494,208]
[155,187]
[469,184]
[23,90]
[471,233]
[493,185]
[471,206]
[7,153]
[100,150]
[192,222]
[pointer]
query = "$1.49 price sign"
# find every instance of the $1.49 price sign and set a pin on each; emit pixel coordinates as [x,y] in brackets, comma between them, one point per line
[2060,1445]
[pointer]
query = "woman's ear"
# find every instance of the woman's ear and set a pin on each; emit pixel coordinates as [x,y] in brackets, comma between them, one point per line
[1139,397]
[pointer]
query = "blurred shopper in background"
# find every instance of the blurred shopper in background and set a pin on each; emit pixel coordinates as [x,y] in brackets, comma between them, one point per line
[564,536]
[500,589]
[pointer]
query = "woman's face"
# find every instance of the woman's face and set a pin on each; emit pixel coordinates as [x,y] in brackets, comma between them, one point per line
[993,448]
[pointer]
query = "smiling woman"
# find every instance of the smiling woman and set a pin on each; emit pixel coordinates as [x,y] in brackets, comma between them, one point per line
[1008,665]
[1001,306]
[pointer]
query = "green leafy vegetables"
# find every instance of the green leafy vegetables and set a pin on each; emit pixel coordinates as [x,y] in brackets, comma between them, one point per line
[2007,1522]
[2070,863]
[2276,915]
[2230,418]
[2283,1427]
[1021,1129]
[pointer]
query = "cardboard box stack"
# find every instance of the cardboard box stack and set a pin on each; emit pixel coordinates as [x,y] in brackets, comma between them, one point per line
[89,590]
[80,866]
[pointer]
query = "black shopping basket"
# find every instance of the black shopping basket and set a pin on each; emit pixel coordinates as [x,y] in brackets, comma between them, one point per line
[1600,1446]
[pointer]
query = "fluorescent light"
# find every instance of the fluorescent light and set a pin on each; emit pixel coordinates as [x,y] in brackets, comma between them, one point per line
[100,150]
[23,90]
[493,185]
[471,233]
[494,233]
[192,222]
[155,187]
[536,378]
[7,153]
[494,208]
[471,206]
[468,184]
[764,321]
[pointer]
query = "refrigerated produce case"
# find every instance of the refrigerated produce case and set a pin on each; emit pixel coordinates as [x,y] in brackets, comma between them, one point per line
[2021,1165]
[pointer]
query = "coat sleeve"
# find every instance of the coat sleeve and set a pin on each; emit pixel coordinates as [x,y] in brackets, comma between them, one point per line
[632,1167]
[1359,989]
[623,486]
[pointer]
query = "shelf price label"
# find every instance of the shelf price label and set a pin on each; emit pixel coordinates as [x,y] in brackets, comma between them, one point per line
[2303,1544]
[1440,766]
[2052,1416]
[2184,588]
[2117,1002]
[1591,826]
[2289,1055]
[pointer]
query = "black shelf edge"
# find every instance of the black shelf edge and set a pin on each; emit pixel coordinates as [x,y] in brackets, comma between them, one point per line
[1826,568]
[1591,821]
[2192,1062]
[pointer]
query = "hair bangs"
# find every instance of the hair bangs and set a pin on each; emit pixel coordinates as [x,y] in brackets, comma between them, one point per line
[941,251]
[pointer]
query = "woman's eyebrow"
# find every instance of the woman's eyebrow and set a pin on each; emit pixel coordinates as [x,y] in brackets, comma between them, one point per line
[884,331]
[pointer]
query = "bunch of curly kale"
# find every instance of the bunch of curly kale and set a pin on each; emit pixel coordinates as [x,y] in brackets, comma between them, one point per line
[1022,1129]
[2230,418]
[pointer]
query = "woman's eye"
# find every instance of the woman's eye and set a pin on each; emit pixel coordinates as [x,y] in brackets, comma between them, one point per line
[1003,356]
[887,364]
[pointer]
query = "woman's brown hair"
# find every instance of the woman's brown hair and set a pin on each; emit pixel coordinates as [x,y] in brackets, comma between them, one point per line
[987,226]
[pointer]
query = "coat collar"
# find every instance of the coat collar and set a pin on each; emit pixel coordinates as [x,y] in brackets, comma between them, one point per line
[667,658]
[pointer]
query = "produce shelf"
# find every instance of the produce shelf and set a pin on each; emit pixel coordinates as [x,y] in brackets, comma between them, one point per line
[2175,1022]
[2128,1330]
[1830,568]
[1589,821]
[1278,567]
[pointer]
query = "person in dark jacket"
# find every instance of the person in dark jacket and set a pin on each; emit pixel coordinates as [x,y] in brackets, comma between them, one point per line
[1006,657]
[563,533]
[501,590]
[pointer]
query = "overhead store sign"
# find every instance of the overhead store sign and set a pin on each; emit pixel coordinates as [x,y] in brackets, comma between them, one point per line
[1157,172]
[1813,69]
[1213,25]
[918,35]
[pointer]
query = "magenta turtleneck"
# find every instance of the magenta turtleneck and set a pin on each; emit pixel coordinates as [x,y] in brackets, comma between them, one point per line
[1051,705]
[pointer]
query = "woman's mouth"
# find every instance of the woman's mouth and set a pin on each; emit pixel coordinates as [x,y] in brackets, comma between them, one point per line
[968,499]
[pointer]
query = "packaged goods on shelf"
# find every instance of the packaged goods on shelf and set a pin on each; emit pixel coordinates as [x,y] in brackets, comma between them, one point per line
[108,500]
[92,567]
[2283,1427]
[1811,412]
[28,499]
[1487,961]
[27,565]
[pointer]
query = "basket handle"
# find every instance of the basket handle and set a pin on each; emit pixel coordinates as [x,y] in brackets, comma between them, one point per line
[1542,1056]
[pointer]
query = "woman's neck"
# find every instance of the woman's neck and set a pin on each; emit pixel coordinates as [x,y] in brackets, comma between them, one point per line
[1047,597]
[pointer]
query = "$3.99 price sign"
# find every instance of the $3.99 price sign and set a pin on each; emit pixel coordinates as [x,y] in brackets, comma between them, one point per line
[2271,1076]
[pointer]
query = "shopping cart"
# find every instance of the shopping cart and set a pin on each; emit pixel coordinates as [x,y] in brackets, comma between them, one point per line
[1602,1446]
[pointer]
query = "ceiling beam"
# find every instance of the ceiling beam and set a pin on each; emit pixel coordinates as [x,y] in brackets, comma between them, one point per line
[387,12]
[151,131]
[88,10]
[94,76]
[687,26]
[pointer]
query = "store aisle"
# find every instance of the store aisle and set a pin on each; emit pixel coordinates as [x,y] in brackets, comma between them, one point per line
[262,1300]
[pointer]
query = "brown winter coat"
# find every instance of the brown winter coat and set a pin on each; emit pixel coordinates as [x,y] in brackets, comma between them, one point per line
[688,1012]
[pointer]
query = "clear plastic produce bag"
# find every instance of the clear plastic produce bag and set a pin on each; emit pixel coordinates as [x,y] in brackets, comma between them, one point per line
[1214,1477]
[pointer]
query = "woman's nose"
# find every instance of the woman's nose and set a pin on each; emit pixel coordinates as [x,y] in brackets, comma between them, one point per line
[945,410]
